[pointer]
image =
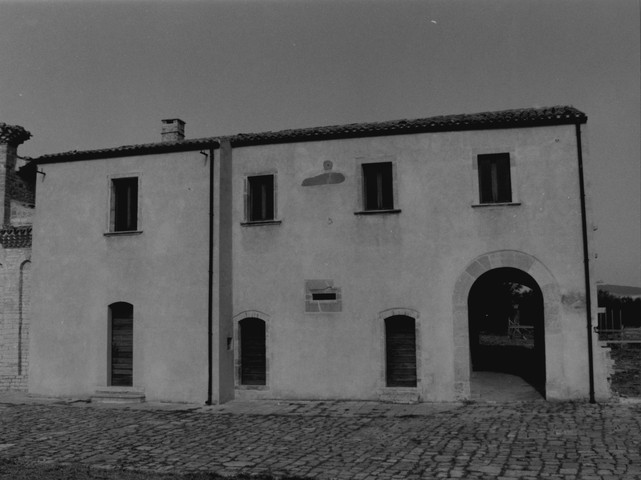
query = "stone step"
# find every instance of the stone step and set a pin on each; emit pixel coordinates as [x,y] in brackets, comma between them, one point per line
[400,395]
[118,395]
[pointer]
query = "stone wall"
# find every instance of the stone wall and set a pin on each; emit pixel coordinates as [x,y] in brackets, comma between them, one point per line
[17,196]
[15,276]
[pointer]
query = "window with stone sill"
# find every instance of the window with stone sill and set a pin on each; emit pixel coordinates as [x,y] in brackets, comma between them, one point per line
[378,195]
[494,178]
[124,205]
[378,190]
[260,199]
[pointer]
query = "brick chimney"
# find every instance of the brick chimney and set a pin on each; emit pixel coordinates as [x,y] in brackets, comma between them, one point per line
[173,130]
[10,137]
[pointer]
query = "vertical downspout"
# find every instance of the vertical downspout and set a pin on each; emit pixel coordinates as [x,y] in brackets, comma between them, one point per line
[586,263]
[210,283]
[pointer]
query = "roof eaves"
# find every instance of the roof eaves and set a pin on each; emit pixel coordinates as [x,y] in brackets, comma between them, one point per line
[518,118]
[129,150]
[559,115]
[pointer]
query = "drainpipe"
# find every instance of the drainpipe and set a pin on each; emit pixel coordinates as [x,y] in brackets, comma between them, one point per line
[210,283]
[586,263]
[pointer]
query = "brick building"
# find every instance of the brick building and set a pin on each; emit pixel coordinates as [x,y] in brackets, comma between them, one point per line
[361,261]
[17,194]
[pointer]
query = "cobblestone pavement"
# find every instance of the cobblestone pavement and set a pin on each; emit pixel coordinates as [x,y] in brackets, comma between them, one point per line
[343,440]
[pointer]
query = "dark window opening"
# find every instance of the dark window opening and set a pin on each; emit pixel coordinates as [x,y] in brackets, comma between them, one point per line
[261,198]
[494,178]
[124,204]
[400,346]
[253,364]
[378,192]
[324,296]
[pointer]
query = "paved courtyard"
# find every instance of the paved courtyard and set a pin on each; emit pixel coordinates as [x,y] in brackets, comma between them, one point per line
[344,440]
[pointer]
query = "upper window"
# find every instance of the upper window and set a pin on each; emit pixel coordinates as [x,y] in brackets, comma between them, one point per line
[495,184]
[260,198]
[378,186]
[124,204]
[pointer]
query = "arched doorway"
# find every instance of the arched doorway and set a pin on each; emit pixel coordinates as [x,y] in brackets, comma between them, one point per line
[121,335]
[253,358]
[506,325]
[400,351]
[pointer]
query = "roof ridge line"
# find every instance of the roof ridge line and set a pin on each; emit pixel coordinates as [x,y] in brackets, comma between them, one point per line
[513,118]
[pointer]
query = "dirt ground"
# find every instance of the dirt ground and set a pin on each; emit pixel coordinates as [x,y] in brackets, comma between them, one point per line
[626,381]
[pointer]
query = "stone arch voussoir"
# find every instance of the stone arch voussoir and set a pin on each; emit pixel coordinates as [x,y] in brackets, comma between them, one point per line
[391,312]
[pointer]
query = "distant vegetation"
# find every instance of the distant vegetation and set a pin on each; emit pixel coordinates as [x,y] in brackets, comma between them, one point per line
[630,308]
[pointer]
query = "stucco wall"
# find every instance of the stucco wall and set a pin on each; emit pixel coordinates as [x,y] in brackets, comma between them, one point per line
[408,260]
[162,272]
[415,262]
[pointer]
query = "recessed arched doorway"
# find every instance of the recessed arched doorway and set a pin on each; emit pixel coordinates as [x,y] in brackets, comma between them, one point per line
[400,351]
[506,326]
[253,358]
[121,338]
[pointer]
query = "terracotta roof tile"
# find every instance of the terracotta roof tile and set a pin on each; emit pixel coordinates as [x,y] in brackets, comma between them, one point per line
[524,117]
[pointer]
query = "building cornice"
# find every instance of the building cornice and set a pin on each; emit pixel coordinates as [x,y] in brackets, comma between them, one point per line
[519,118]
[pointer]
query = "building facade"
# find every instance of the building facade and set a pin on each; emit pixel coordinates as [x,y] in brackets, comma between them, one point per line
[347,262]
[17,194]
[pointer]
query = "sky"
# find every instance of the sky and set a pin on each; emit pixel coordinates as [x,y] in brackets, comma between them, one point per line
[95,74]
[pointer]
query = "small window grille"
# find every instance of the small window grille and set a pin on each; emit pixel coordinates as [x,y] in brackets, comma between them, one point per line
[324,296]
[321,296]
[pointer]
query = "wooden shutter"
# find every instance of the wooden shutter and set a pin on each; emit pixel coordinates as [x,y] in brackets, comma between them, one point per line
[253,352]
[122,344]
[503,178]
[400,339]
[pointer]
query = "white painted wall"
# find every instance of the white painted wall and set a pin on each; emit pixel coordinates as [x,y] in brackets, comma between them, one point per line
[410,260]
[78,272]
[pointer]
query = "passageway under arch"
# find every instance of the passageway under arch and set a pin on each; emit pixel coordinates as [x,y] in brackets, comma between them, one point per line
[506,326]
